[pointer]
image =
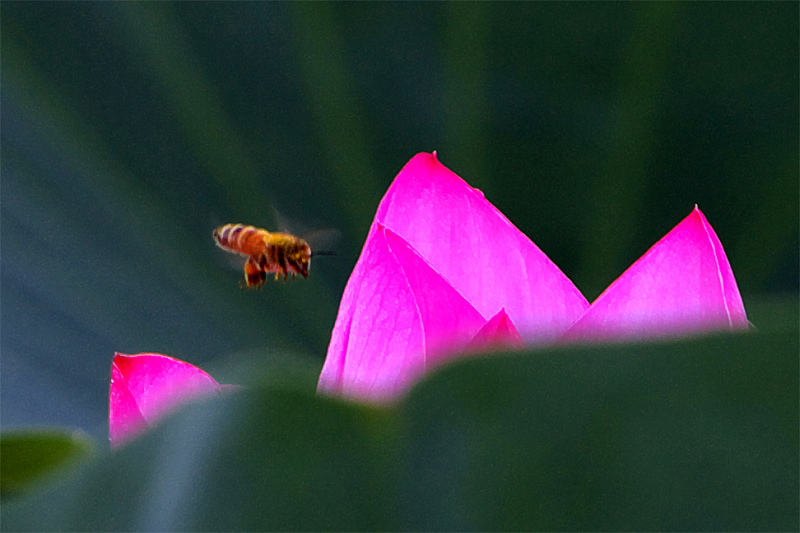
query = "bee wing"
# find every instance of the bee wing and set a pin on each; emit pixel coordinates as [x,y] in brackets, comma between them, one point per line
[288,225]
[317,239]
[323,240]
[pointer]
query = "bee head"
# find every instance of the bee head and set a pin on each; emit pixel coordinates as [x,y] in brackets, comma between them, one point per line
[298,256]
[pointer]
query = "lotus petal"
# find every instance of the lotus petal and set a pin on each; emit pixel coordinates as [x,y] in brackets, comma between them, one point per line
[145,387]
[398,318]
[478,250]
[683,285]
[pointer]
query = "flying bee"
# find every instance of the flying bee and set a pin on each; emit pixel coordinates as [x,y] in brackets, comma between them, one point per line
[278,253]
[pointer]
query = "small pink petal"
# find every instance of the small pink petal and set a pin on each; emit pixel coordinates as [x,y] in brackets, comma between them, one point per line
[398,318]
[145,387]
[682,285]
[478,250]
[499,333]
[125,420]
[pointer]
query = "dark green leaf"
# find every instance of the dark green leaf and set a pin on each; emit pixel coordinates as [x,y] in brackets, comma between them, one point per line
[28,456]
[691,435]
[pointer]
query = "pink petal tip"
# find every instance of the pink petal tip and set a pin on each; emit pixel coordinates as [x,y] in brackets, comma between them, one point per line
[498,334]
[683,285]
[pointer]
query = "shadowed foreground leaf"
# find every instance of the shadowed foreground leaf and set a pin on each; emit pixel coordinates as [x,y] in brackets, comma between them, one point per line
[693,435]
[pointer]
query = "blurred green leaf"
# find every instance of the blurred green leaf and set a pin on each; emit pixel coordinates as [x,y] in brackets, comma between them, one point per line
[698,434]
[29,456]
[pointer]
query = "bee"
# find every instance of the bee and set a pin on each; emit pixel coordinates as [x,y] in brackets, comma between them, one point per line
[278,253]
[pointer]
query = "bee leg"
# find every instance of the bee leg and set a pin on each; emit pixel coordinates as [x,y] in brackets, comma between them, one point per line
[254,275]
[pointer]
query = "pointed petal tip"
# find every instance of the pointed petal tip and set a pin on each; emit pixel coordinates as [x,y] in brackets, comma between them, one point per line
[682,285]
[426,162]
[499,333]
[698,214]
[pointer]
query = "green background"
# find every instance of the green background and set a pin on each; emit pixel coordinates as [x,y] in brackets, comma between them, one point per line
[130,130]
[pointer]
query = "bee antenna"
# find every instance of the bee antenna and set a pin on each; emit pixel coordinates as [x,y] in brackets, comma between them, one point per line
[323,252]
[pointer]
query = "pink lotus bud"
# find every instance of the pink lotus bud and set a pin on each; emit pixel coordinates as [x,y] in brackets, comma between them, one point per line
[146,387]
[439,262]
[444,273]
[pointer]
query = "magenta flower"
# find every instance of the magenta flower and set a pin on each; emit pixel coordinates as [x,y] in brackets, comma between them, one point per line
[146,387]
[443,273]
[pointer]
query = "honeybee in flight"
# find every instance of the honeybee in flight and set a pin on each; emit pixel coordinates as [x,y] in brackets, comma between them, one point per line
[280,253]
